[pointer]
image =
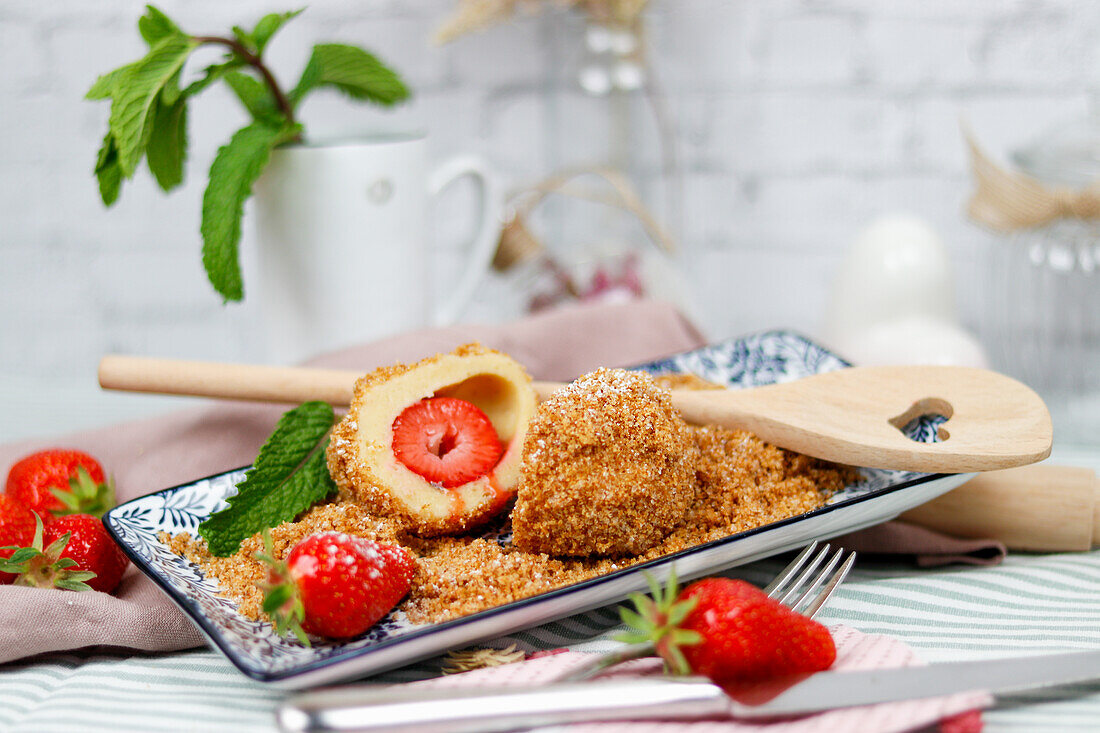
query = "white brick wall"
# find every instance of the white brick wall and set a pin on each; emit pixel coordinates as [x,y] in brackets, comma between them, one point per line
[798,121]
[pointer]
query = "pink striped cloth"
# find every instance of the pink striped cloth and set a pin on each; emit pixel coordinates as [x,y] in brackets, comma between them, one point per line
[855,650]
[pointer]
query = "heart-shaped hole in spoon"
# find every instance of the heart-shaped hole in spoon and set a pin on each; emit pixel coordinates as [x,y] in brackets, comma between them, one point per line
[923,421]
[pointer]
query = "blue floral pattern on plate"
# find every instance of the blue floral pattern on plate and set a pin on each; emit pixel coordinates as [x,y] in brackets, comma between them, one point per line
[766,358]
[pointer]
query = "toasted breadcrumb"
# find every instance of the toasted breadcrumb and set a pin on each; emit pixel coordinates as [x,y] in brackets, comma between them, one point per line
[736,482]
[239,573]
[608,469]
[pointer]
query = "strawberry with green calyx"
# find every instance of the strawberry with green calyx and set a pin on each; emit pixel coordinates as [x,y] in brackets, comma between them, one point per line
[91,547]
[730,631]
[45,568]
[334,585]
[85,496]
[654,625]
[16,530]
[60,481]
[282,603]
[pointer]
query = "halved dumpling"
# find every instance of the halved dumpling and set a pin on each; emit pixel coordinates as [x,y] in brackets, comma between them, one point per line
[361,454]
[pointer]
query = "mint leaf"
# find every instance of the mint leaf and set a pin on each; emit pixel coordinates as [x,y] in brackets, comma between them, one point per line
[269,25]
[236,167]
[211,74]
[167,148]
[155,26]
[243,37]
[106,84]
[254,96]
[353,71]
[171,91]
[136,91]
[289,476]
[107,171]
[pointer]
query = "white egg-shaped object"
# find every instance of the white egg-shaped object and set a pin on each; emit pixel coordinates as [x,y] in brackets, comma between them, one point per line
[896,268]
[912,340]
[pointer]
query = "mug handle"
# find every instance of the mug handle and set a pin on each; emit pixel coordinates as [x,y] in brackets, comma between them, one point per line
[484,243]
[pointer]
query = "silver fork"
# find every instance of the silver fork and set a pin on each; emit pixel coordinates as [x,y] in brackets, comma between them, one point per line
[800,586]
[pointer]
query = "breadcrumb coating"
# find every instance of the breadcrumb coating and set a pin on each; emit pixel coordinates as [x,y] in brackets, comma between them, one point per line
[736,482]
[608,469]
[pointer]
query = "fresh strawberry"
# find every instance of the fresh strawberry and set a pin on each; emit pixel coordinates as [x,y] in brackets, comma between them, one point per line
[446,440]
[92,549]
[729,631]
[60,481]
[16,530]
[334,585]
[41,567]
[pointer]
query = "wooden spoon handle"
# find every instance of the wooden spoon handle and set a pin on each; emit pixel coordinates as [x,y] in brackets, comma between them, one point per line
[249,382]
[252,382]
[850,416]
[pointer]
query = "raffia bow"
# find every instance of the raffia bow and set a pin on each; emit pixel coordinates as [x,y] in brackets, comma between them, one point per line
[517,244]
[1009,200]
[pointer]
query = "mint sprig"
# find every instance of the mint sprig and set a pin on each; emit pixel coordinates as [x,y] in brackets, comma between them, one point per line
[289,476]
[149,115]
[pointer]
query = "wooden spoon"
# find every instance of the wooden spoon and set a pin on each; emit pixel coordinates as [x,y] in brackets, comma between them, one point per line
[852,416]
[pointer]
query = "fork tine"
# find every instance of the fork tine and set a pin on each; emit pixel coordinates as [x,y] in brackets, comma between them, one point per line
[804,576]
[780,581]
[817,580]
[826,592]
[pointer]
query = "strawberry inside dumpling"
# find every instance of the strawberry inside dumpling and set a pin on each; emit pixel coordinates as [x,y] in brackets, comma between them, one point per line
[436,445]
[446,440]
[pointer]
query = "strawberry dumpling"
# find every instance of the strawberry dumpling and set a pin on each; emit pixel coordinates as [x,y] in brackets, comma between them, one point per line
[608,469]
[436,445]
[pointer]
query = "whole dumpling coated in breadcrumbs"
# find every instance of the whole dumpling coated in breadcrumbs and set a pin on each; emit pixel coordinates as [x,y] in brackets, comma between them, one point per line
[608,468]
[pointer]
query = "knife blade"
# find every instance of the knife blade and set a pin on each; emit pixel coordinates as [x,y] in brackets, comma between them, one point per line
[375,708]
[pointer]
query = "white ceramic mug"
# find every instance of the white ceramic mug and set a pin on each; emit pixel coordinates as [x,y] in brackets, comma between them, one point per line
[343,231]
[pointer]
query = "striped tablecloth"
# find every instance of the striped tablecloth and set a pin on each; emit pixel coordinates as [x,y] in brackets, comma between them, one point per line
[1030,604]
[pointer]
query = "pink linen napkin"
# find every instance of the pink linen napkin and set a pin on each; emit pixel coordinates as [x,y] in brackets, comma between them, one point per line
[148,455]
[928,548]
[855,650]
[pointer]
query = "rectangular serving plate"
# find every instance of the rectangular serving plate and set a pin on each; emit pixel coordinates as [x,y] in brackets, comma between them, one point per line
[259,653]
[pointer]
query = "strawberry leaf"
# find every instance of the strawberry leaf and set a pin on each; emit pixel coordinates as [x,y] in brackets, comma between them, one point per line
[40,568]
[276,597]
[679,611]
[289,476]
[655,620]
[632,618]
[73,582]
[84,495]
[282,599]
[675,661]
[686,637]
[23,554]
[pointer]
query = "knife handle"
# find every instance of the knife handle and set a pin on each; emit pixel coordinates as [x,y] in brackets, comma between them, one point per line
[404,709]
